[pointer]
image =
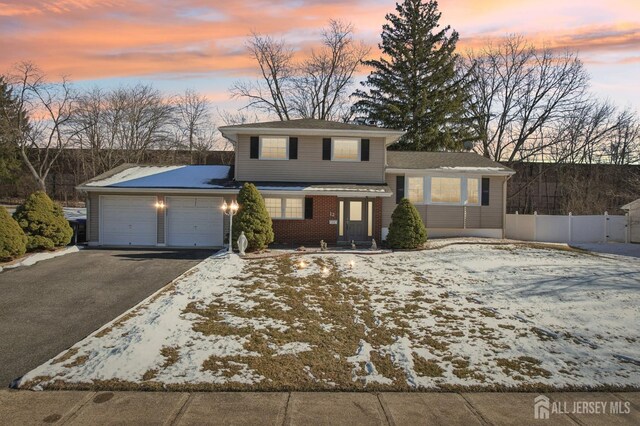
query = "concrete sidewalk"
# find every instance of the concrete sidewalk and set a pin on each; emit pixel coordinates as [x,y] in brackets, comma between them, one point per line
[321,408]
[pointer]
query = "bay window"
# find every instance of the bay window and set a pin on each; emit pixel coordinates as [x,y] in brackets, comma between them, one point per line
[473,191]
[446,190]
[416,189]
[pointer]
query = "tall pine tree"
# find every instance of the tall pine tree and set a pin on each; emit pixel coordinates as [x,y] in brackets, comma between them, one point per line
[416,86]
[10,116]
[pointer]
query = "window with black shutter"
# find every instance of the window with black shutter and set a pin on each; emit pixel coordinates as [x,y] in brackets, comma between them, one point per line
[293,148]
[326,149]
[399,188]
[254,149]
[485,191]
[364,150]
[308,208]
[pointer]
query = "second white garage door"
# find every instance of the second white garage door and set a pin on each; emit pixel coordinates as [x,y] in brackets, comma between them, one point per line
[194,222]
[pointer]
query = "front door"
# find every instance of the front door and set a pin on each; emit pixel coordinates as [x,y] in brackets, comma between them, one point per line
[355,219]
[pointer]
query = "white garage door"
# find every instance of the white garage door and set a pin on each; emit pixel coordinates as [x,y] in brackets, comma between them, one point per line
[128,221]
[194,221]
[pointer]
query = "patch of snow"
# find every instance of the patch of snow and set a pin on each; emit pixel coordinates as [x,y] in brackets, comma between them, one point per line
[135,172]
[198,177]
[473,169]
[34,258]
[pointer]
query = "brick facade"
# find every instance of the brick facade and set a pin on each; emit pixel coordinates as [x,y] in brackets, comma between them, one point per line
[310,231]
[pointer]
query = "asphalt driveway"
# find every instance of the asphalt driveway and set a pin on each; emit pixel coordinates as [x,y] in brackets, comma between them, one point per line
[47,307]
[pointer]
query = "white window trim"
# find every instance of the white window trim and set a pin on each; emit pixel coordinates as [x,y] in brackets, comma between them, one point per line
[283,208]
[286,138]
[359,142]
[463,190]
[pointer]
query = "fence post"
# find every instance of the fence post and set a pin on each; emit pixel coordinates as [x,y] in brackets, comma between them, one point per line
[606,220]
[535,226]
[627,228]
[570,228]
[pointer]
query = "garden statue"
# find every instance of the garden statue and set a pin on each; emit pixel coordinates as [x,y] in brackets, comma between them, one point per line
[323,245]
[353,245]
[242,243]
[374,246]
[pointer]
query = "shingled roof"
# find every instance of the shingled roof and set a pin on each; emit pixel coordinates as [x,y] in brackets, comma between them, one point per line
[460,161]
[305,123]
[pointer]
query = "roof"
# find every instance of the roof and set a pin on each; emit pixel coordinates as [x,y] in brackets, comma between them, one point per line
[310,127]
[445,161]
[631,205]
[305,123]
[136,176]
[381,190]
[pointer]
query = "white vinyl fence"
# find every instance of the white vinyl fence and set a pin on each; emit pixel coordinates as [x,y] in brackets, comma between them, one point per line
[569,228]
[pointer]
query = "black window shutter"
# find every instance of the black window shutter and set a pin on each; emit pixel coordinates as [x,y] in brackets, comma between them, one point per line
[293,148]
[364,150]
[326,149]
[399,188]
[485,191]
[255,147]
[308,208]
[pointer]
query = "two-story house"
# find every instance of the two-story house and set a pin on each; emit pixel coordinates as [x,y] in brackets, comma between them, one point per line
[320,180]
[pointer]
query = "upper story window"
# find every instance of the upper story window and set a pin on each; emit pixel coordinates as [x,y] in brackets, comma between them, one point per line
[346,149]
[446,190]
[273,148]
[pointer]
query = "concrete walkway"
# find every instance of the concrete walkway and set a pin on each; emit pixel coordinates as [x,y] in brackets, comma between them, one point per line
[248,408]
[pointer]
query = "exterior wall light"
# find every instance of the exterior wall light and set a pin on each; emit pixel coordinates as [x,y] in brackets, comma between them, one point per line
[160,205]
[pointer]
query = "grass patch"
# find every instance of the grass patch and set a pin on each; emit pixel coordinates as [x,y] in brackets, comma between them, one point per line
[523,366]
[428,368]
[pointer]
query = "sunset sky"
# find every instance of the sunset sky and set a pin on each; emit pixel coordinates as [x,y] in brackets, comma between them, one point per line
[179,44]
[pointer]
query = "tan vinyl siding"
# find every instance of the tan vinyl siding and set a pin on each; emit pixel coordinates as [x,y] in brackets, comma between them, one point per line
[437,216]
[310,167]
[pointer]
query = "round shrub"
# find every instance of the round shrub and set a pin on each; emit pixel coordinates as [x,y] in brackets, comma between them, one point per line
[406,231]
[13,242]
[43,222]
[253,219]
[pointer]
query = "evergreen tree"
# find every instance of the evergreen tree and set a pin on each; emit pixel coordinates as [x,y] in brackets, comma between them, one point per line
[43,221]
[10,115]
[252,218]
[417,85]
[13,242]
[406,230]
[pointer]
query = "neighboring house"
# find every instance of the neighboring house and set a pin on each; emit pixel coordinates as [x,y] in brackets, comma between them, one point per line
[321,180]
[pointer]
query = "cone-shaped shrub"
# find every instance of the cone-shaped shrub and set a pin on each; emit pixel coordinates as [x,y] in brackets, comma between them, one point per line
[406,231]
[13,242]
[43,222]
[253,219]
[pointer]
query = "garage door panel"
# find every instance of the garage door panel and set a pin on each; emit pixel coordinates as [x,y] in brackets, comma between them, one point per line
[128,221]
[194,221]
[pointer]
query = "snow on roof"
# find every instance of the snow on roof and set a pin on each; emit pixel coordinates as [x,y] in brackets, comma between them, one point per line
[166,177]
[473,169]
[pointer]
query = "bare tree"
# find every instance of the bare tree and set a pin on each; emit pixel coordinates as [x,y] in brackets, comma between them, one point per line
[519,92]
[317,87]
[194,125]
[50,108]
[275,60]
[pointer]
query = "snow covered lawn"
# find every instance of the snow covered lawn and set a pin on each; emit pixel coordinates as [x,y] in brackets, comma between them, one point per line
[457,317]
